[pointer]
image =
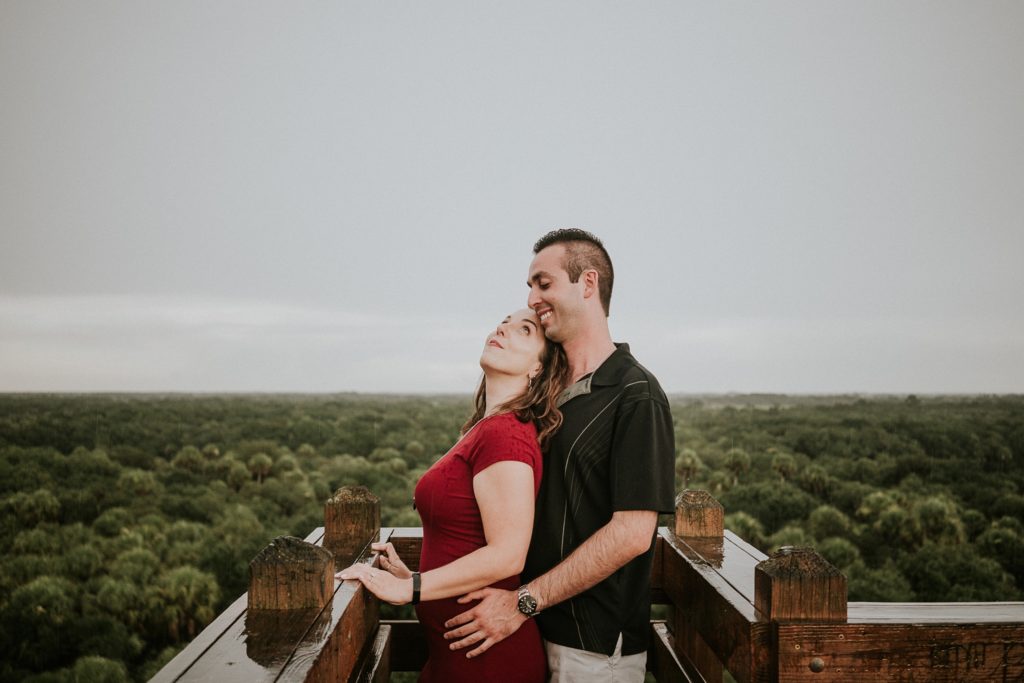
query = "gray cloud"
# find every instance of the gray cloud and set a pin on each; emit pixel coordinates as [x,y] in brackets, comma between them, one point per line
[254,196]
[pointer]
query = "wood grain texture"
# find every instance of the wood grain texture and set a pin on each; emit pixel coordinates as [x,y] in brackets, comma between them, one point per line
[290,574]
[904,653]
[698,514]
[709,581]
[214,632]
[690,646]
[697,575]
[285,645]
[663,661]
[936,612]
[335,657]
[183,661]
[351,520]
[408,541]
[798,584]
[376,666]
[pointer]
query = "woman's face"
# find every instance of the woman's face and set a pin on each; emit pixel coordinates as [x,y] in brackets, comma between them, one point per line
[514,347]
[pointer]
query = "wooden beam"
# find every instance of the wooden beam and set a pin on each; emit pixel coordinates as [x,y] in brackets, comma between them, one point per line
[176,669]
[290,574]
[351,518]
[936,612]
[798,584]
[376,667]
[214,631]
[700,577]
[663,661]
[699,515]
[408,541]
[888,652]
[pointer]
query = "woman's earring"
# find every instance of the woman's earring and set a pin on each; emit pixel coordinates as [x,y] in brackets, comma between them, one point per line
[529,381]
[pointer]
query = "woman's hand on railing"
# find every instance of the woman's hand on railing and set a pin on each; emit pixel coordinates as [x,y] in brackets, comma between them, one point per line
[388,588]
[390,561]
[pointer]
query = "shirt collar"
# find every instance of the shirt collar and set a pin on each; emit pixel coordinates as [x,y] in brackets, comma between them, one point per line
[611,370]
[608,374]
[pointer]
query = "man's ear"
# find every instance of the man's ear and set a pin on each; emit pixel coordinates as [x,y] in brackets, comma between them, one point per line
[589,278]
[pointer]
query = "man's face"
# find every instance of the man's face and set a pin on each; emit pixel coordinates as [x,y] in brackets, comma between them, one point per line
[556,301]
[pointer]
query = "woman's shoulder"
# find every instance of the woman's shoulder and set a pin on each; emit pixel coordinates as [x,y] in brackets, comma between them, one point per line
[503,428]
[503,437]
[508,423]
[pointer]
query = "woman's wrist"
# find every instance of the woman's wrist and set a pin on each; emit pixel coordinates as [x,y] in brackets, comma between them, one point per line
[415,588]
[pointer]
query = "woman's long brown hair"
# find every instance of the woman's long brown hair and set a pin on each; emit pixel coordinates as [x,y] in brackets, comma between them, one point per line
[540,401]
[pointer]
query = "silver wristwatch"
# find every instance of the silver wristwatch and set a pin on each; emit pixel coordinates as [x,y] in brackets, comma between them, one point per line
[527,603]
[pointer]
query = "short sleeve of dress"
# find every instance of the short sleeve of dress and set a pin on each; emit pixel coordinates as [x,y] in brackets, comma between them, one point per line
[504,437]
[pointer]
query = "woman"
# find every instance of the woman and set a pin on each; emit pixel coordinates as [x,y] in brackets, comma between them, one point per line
[476,504]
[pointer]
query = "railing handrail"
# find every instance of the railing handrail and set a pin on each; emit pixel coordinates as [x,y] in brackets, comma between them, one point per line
[778,618]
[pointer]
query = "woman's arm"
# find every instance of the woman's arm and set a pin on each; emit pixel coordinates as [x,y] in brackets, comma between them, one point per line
[505,495]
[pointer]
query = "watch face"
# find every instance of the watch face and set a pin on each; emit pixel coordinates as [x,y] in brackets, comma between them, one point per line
[527,604]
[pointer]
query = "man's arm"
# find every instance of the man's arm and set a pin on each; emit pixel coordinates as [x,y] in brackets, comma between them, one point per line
[628,534]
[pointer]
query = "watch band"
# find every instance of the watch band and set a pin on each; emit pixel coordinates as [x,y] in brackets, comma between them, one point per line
[415,588]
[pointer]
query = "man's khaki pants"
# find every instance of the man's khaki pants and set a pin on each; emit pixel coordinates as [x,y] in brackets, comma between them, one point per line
[569,665]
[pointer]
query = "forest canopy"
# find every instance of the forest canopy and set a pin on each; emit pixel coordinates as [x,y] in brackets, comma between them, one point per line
[129,520]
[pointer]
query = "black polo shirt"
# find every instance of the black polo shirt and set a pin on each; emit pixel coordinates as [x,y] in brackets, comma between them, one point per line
[614,451]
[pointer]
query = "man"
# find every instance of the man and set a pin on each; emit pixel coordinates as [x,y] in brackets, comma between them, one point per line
[608,473]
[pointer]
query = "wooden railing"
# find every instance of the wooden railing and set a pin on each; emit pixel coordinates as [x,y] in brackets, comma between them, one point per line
[732,611]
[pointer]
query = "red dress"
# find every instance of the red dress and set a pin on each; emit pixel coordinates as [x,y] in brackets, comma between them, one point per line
[452,528]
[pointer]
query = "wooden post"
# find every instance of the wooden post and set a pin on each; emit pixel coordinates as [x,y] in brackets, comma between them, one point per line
[798,584]
[351,520]
[699,515]
[700,518]
[290,574]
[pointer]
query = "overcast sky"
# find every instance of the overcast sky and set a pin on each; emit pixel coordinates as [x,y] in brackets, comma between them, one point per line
[326,196]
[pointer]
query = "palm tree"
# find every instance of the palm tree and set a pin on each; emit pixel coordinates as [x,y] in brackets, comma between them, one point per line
[183,600]
[737,461]
[260,466]
[687,465]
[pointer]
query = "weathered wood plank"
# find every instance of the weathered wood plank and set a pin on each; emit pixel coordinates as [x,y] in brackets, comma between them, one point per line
[183,661]
[257,646]
[937,612]
[332,655]
[698,514]
[269,645]
[904,653]
[215,630]
[700,577]
[658,595]
[376,667]
[291,574]
[408,541]
[798,584]
[351,517]
[739,559]
[754,556]
[662,660]
[689,646]
[315,536]
[711,583]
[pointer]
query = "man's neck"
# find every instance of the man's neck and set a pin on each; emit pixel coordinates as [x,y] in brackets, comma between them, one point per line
[587,351]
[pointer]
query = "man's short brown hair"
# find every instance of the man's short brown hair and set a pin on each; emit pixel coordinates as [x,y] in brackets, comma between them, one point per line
[583,251]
